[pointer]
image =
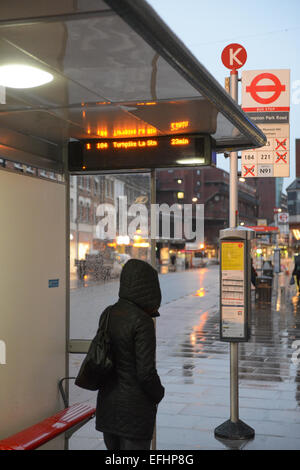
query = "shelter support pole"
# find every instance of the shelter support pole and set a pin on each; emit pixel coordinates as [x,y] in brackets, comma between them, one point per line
[153,202]
[67,245]
[153,255]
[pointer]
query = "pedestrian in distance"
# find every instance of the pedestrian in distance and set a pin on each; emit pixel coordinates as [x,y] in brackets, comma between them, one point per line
[296,271]
[253,274]
[127,402]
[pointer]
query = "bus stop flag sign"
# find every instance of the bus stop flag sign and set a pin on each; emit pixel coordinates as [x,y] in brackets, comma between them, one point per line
[234,56]
[266,100]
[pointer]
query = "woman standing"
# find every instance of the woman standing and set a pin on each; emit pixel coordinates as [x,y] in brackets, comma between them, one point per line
[127,404]
[296,271]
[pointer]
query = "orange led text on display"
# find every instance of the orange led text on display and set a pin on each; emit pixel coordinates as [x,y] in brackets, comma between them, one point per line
[136,143]
[102,145]
[119,144]
[148,103]
[134,132]
[102,133]
[182,141]
[175,126]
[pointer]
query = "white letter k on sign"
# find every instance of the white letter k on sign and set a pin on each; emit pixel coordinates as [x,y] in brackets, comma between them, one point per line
[232,56]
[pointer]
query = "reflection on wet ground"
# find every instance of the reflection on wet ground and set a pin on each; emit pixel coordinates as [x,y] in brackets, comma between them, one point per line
[194,367]
[200,292]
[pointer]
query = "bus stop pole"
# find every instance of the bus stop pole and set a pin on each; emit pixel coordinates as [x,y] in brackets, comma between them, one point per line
[234,428]
[233,211]
[153,257]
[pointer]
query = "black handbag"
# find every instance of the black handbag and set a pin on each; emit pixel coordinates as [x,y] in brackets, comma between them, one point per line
[98,363]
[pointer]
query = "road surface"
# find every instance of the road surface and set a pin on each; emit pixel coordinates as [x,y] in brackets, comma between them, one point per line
[87,303]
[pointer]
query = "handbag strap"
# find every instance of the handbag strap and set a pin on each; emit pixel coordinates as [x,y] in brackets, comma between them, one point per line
[104,322]
[107,319]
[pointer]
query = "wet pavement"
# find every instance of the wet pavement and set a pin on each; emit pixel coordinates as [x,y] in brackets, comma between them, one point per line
[194,368]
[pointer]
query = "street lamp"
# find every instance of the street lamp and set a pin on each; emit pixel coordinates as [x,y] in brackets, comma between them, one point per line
[241,178]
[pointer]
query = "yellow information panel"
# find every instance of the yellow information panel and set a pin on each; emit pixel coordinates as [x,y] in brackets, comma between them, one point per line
[233,295]
[232,256]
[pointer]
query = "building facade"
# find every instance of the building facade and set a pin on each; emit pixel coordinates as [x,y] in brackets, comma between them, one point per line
[208,186]
[293,196]
[87,237]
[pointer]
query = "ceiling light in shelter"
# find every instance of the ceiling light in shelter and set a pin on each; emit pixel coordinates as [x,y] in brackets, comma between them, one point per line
[23,76]
[191,161]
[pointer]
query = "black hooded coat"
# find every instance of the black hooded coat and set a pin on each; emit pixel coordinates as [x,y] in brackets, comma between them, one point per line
[127,404]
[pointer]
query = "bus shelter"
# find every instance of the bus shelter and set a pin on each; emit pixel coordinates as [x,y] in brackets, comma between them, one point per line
[118,74]
[264,244]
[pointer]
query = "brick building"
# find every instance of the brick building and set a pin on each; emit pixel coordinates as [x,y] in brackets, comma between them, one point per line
[297,143]
[86,193]
[269,194]
[208,186]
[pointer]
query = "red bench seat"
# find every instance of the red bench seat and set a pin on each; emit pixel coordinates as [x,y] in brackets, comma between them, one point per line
[40,433]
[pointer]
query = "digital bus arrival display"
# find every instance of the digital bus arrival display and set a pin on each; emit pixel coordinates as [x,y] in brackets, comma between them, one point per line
[141,153]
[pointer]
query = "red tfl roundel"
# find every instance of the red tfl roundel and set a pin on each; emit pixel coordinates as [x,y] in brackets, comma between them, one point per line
[274,86]
[234,56]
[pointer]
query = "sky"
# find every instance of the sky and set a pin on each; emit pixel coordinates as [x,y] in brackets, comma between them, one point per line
[268,29]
